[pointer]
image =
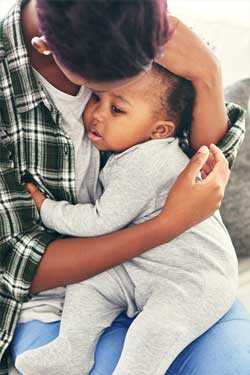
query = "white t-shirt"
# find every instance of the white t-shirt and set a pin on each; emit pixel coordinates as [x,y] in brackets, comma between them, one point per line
[71,109]
[47,306]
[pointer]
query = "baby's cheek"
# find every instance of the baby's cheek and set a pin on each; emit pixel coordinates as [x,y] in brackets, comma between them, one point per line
[85,118]
[117,138]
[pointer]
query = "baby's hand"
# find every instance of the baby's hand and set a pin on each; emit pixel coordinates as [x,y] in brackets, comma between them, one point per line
[36,195]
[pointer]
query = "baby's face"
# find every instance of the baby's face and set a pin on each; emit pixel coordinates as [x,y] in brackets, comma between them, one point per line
[122,117]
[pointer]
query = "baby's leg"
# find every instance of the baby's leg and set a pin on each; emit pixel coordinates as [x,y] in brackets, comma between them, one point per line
[31,335]
[89,308]
[178,311]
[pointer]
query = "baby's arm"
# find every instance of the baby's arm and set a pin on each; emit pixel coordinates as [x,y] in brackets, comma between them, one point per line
[128,190]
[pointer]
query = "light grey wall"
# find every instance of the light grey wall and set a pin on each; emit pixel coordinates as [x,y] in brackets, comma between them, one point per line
[5,5]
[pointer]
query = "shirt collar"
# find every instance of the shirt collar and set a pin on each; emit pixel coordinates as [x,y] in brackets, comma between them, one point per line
[27,93]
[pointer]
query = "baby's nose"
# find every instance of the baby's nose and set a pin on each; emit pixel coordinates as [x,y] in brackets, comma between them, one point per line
[98,115]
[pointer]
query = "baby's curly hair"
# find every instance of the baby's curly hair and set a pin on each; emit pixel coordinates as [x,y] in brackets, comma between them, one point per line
[177,98]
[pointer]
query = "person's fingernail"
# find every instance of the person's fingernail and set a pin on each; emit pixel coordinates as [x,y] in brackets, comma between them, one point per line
[203,149]
[35,40]
[47,52]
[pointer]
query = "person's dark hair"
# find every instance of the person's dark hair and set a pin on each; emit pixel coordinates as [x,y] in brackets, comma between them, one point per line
[177,100]
[104,40]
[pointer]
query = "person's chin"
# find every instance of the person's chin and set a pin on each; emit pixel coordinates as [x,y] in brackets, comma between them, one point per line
[100,145]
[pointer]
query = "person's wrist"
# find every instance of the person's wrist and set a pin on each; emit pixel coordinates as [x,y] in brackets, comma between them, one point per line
[168,227]
[209,77]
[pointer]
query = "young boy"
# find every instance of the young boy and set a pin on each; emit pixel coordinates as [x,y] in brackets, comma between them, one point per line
[177,290]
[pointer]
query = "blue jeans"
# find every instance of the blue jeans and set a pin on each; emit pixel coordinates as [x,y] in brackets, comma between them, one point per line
[223,350]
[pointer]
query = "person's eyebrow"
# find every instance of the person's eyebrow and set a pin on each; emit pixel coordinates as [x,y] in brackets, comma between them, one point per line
[116,96]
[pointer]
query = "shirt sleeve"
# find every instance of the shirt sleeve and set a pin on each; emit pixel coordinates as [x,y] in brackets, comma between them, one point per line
[22,239]
[232,140]
[127,192]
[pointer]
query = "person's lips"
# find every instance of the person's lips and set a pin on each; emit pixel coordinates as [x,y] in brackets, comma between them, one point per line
[94,135]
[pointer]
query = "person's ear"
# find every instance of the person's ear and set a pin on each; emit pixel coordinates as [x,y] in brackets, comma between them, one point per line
[40,44]
[162,129]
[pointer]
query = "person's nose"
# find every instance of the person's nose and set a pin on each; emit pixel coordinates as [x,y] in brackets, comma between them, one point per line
[99,114]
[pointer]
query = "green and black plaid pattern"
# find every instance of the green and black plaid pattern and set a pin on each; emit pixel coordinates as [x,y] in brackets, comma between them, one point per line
[33,143]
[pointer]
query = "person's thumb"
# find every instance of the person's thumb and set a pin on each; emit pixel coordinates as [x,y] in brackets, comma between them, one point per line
[197,162]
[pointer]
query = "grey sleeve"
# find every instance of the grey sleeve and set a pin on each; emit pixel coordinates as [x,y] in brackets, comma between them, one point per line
[129,187]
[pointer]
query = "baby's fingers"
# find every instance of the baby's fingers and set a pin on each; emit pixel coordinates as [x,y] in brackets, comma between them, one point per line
[31,188]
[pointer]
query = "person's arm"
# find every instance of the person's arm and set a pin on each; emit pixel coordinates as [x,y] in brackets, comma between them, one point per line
[188,56]
[32,259]
[74,259]
[210,120]
[131,185]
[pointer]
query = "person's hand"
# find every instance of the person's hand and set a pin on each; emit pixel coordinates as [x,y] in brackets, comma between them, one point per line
[186,55]
[208,166]
[191,201]
[36,195]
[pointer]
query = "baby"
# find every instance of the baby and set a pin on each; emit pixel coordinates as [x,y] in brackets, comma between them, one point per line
[177,290]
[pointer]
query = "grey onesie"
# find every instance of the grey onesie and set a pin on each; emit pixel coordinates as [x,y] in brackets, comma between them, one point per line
[176,291]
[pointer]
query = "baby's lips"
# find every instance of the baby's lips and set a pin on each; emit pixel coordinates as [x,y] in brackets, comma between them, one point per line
[94,136]
[95,132]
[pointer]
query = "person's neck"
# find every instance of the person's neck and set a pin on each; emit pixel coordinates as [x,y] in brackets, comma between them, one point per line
[45,65]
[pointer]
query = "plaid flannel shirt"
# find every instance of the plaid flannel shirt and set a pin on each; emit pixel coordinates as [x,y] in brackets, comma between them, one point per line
[33,142]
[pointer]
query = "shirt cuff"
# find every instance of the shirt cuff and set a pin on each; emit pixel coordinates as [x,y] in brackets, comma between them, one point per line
[47,213]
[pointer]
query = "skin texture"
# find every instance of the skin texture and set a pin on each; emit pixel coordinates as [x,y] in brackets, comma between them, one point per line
[186,55]
[125,116]
[75,259]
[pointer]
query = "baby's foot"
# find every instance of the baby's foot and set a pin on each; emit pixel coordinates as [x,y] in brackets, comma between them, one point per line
[53,359]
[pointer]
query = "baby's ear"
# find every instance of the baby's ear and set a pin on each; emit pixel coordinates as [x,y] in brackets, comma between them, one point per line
[163,129]
[40,44]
